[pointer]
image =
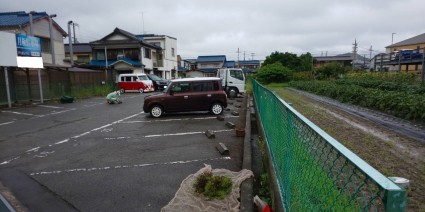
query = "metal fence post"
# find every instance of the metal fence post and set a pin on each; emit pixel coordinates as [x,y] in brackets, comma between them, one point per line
[6,77]
[395,200]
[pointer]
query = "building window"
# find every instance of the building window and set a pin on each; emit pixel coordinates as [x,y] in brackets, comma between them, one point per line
[45,45]
[147,53]
[173,53]
[100,55]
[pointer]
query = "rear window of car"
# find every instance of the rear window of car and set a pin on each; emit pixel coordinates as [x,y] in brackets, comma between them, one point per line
[143,77]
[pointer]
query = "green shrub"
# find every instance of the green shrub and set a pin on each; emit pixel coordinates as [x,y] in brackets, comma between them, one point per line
[330,71]
[212,187]
[275,72]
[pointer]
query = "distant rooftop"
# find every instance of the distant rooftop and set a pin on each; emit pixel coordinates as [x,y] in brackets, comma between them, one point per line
[211,58]
[19,18]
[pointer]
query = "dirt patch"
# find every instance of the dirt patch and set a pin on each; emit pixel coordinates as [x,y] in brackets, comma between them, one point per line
[389,152]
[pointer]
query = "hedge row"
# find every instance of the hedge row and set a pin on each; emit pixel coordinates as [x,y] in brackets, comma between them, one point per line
[398,103]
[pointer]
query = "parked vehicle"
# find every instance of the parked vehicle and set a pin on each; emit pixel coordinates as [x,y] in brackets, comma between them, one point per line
[135,82]
[233,81]
[189,94]
[405,54]
[159,83]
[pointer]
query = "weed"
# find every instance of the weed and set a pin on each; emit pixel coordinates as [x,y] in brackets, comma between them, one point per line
[212,187]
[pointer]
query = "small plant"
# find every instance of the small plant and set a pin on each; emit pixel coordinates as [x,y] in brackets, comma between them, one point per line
[201,181]
[212,187]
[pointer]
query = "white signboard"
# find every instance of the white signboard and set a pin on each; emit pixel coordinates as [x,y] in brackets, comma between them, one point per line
[27,54]
[8,50]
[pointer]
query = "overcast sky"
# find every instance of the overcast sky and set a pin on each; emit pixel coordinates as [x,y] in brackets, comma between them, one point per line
[257,28]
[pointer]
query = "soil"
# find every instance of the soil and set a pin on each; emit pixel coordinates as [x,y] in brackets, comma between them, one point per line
[393,152]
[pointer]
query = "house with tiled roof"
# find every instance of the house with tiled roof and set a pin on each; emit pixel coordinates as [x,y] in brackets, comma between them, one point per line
[125,53]
[207,66]
[19,23]
[82,53]
[346,59]
[249,66]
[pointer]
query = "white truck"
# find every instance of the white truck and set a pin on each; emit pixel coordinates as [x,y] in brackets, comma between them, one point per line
[232,80]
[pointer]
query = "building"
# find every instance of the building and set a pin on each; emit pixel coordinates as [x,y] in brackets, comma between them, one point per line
[249,66]
[346,59]
[207,66]
[416,43]
[42,26]
[82,53]
[166,57]
[122,52]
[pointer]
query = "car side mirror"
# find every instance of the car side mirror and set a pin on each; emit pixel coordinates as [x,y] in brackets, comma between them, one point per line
[171,92]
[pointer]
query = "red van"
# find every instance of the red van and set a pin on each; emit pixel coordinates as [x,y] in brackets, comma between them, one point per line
[135,83]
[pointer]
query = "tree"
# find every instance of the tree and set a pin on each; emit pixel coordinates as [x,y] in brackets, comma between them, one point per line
[330,71]
[292,61]
[275,72]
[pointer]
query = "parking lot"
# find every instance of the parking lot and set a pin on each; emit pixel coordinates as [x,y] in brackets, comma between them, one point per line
[91,156]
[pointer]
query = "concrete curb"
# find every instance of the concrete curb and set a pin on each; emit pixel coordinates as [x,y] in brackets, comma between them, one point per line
[247,196]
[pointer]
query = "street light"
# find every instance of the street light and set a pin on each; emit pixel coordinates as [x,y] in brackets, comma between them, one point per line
[392,38]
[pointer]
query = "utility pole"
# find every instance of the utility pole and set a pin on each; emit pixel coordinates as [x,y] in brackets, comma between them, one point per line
[370,52]
[392,38]
[252,56]
[71,50]
[243,55]
[31,24]
[238,57]
[354,57]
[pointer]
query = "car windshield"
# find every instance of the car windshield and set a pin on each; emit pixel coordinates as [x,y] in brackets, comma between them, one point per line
[154,77]
[143,77]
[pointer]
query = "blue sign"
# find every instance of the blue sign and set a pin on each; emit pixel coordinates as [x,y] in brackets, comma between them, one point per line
[28,46]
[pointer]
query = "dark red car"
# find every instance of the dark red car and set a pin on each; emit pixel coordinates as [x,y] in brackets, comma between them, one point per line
[189,94]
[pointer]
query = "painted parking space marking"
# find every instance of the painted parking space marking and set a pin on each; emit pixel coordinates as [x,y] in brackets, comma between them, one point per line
[69,139]
[126,166]
[19,113]
[49,106]
[182,119]
[6,123]
[186,133]
[117,138]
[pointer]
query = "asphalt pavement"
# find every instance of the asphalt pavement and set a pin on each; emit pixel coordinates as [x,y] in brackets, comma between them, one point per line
[92,156]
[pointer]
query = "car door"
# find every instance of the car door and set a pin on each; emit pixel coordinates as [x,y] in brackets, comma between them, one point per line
[201,95]
[178,97]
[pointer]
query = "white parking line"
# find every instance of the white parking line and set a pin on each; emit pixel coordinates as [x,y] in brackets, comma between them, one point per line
[186,133]
[126,166]
[183,119]
[49,106]
[69,139]
[18,113]
[5,123]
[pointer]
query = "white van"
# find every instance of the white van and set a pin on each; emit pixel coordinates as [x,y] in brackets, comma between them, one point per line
[135,83]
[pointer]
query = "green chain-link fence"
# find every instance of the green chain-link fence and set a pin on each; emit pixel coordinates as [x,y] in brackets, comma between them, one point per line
[314,171]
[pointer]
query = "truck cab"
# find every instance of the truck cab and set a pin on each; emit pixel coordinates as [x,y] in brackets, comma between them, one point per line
[232,80]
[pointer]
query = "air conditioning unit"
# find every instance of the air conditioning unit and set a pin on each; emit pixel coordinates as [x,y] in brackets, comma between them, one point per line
[120,56]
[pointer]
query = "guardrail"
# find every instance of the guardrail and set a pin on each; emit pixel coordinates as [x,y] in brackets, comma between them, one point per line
[314,171]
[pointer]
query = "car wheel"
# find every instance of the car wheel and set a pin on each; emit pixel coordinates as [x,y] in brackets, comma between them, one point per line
[233,92]
[122,90]
[141,90]
[216,109]
[156,111]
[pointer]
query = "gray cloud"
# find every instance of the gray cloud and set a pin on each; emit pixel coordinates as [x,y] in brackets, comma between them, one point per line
[260,27]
